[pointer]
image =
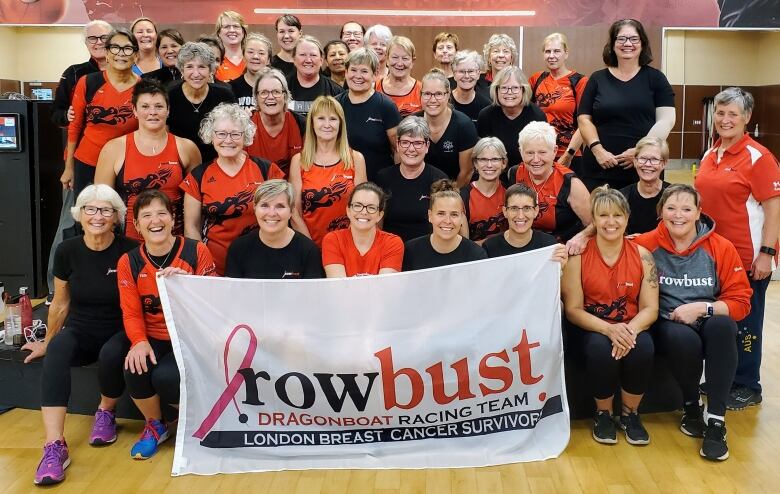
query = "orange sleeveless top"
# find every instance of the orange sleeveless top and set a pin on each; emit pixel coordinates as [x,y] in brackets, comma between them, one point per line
[612,292]
[324,196]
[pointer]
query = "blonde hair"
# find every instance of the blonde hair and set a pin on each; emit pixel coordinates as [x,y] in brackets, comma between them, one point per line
[606,198]
[325,104]
[404,43]
[499,40]
[557,37]
[648,141]
[436,75]
[272,188]
[444,189]
[235,16]
[504,75]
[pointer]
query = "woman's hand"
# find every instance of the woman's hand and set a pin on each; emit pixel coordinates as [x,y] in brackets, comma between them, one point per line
[626,158]
[576,245]
[689,313]
[604,158]
[67,177]
[37,350]
[171,270]
[135,361]
[560,255]
[71,114]
[762,267]
[622,337]
[565,159]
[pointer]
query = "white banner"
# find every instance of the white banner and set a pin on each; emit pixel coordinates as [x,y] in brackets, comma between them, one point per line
[460,366]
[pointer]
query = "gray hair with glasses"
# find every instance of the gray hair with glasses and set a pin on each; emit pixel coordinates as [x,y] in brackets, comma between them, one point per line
[737,95]
[269,72]
[414,126]
[192,50]
[96,22]
[469,56]
[485,144]
[99,192]
[503,76]
[233,113]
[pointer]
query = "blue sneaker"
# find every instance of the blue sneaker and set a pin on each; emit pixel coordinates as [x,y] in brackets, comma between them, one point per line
[154,433]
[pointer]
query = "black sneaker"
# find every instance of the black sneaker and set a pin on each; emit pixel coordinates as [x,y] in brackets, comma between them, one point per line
[604,430]
[636,433]
[742,397]
[692,423]
[714,446]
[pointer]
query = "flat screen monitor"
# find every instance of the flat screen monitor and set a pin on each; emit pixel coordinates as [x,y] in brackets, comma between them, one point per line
[10,138]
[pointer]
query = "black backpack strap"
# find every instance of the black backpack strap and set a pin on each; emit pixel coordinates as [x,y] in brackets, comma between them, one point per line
[263,165]
[137,263]
[189,253]
[301,121]
[198,173]
[538,82]
[94,82]
[574,79]
[511,174]
[465,194]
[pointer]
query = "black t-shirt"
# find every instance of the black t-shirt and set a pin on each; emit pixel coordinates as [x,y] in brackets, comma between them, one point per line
[472,109]
[367,126]
[644,215]
[497,246]
[243,92]
[301,98]
[91,277]
[286,68]
[459,136]
[493,122]
[167,76]
[419,254]
[249,257]
[623,113]
[184,118]
[406,214]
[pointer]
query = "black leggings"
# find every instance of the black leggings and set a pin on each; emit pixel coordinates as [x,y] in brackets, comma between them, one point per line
[684,347]
[83,175]
[71,347]
[162,379]
[631,372]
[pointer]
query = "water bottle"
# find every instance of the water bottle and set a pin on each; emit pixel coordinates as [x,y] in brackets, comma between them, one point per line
[25,305]
[13,316]
[2,306]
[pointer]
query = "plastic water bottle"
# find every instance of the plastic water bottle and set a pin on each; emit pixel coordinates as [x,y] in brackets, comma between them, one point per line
[13,316]
[25,311]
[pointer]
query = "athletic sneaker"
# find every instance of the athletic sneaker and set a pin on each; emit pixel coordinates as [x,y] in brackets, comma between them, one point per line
[51,469]
[154,433]
[742,397]
[636,433]
[714,446]
[692,423]
[104,428]
[604,430]
[49,298]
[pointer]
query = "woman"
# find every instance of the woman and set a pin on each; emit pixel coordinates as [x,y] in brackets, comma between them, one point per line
[83,316]
[510,112]
[151,373]
[218,193]
[169,42]
[231,30]
[563,198]
[279,134]
[195,97]
[738,182]
[484,198]
[467,65]
[610,298]
[621,104]
[452,134]
[108,95]
[500,52]
[363,249]
[697,317]
[145,33]
[324,173]
[445,245]
[557,90]
[335,55]
[398,84]
[275,251]
[288,31]
[257,55]
[445,45]
[520,208]
[378,39]
[409,184]
[371,117]
[652,153]
[149,158]
[308,83]
[352,34]
[215,45]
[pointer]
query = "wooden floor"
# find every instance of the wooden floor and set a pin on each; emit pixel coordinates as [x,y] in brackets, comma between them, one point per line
[671,463]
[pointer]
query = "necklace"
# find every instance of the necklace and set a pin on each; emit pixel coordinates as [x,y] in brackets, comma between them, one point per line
[165,261]
[154,146]
[539,189]
[196,109]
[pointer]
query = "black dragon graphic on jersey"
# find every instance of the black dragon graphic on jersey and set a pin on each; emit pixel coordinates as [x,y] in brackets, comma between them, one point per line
[615,311]
[216,213]
[338,223]
[152,181]
[314,199]
[151,304]
[109,116]
[484,228]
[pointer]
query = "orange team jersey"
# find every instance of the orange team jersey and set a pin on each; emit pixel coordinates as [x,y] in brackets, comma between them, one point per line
[227,211]
[324,196]
[281,148]
[556,216]
[408,103]
[485,214]
[612,292]
[557,100]
[108,115]
[227,70]
[139,172]
[138,294]
[733,189]
[387,251]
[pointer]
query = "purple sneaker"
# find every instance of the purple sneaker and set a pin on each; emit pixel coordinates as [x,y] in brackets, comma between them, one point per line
[51,469]
[104,428]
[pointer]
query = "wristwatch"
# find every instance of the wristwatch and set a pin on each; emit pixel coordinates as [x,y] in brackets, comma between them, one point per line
[710,310]
[571,152]
[767,250]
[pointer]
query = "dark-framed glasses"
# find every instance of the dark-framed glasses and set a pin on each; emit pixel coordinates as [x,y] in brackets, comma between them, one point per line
[94,39]
[221,134]
[368,208]
[403,144]
[125,50]
[93,210]
[524,209]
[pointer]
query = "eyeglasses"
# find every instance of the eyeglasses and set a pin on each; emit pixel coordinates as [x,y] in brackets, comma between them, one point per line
[93,210]
[471,72]
[273,92]
[368,208]
[622,40]
[231,27]
[222,135]
[124,50]
[415,144]
[524,209]
[492,161]
[94,39]
[352,34]
[510,89]
[438,95]
[653,161]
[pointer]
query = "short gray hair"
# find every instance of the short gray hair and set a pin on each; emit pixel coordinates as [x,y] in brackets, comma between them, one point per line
[99,192]
[380,31]
[272,188]
[270,72]
[499,40]
[504,75]
[415,127]
[363,56]
[227,111]
[737,95]
[542,131]
[486,143]
[465,56]
[96,22]
[192,50]
[262,39]
[305,38]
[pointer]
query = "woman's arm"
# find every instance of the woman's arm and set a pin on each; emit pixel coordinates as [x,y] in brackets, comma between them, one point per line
[189,154]
[762,265]
[112,154]
[575,144]
[579,200]
[665,117]
[466,168]
[360,167]
[193,220]
[58,311]
[648,294]
[335,271]
[391,138]
[590,135]
[297,213]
